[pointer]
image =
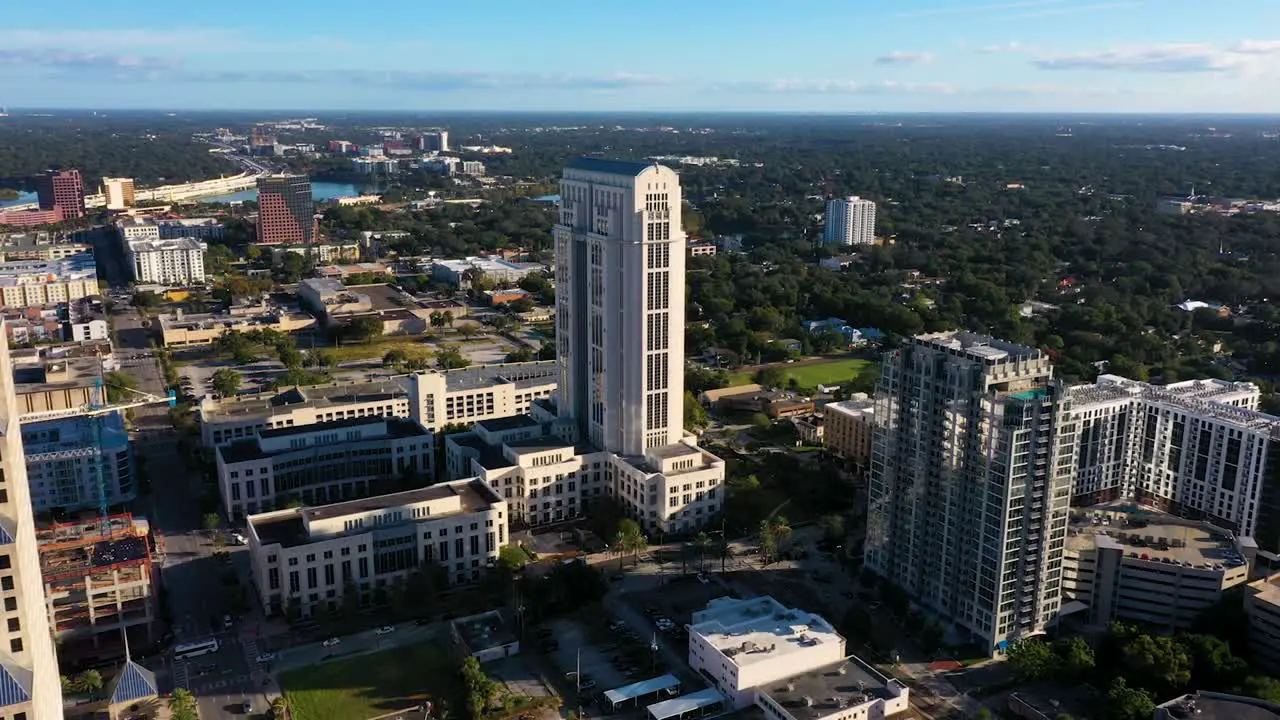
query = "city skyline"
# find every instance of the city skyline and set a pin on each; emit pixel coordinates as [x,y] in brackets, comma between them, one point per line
[916,56]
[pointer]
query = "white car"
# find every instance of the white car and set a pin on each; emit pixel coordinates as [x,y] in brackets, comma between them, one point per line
[332,641]
[385,630]
[266,657]
[239,539]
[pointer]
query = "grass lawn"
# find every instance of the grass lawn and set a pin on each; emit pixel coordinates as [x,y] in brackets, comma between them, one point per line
[827,372]
[368,685]
[412,346]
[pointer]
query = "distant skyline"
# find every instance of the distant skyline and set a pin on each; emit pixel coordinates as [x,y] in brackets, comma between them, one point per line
[567,55]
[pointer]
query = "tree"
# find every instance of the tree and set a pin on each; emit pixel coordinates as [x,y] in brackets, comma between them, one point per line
[772,377]
[695,416]
[146,299]
[468,330]
[366,328]
[773,534]
[1158,662]
[211,521]
[1032,660]
[1262,687]
[119,384]
[832,526]
[1128,703]
[324,359]
[761,421]
[480,689]
[449,357]
[630,539]
[182,705]
[1077,657]
[513,558]
[226,382]
[280,708]
[394,356]
[88,682]
[289,355]
[701,544]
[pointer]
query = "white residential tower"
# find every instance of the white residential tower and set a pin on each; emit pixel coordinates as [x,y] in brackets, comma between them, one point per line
[850,221]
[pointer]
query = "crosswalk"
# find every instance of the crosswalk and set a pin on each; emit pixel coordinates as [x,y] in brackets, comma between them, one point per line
[181,675]
[250,647]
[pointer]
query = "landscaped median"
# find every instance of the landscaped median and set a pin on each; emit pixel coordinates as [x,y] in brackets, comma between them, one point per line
[376,684]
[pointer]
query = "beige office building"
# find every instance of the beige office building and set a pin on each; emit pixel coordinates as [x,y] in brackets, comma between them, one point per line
[1262,606]
[26,283]
[309,556]
[848,427]
[29,683]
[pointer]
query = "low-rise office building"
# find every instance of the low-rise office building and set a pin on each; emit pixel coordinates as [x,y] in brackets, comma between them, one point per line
[483,392]
[321,463]
[305,557]
[24,283]
[850,689]
[746,647]
[321,252]
[502,272]
[156,228]
[175,261]
[181,328]
[39,245]
[546,477]
[1148,567]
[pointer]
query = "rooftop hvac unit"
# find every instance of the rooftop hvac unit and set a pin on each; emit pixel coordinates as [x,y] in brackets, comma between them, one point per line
[808,701]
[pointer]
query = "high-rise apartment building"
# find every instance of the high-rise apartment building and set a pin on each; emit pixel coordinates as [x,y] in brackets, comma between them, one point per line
[118,193]
[850,221]
[1198,449]
[178,261]
[63,191]
[29,682]
[618,411]
[968,497]
[286,212]
[437,140]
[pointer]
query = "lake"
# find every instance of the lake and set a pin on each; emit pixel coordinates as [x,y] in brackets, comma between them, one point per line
[319,191]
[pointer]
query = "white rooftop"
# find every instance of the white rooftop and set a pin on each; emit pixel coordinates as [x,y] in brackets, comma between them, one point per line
[152,245]
[754,629]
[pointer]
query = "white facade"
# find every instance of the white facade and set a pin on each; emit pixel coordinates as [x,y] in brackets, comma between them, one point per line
[475,168]
[1198,448]
[850,221]
[175,261]
[24,283]
[752,643]
[358,456]
[620,268]
[309,556]
[64,459]
[28,665]
[88,330]
[151,228]
[228,420]
[470,395]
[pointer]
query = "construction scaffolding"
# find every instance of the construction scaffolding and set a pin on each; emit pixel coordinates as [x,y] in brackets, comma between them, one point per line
[97,575]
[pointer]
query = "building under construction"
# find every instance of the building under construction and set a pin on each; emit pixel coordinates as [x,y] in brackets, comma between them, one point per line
[97,577]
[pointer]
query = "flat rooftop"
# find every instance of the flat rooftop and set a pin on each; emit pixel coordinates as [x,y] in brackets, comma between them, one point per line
[152,245]
[80,266]
[1216,706]
[1153,534]
[251,449]
[978,346]
[270,403]
[513,422]
[754,629]
[288,528]
[1219,399]
[522,374]
[829,689]
[484,631]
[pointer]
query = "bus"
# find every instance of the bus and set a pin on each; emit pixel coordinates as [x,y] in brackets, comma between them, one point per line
[195,649]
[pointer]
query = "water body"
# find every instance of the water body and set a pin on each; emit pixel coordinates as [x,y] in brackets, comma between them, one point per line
[23,199]
[319,191]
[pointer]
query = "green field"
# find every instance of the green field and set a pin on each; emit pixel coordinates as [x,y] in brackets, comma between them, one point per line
[369,685]
[827,372]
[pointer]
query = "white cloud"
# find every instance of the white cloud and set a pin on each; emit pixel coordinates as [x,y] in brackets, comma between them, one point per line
[1247,57]
[1012,46]
[899,57]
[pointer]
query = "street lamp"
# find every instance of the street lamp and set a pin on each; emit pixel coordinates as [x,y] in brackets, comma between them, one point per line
[653,653]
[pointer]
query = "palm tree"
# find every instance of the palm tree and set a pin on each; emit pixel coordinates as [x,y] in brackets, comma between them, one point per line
[630,539]
[702,542]
[773,533]
[280,708]
[725,552]
[182,705]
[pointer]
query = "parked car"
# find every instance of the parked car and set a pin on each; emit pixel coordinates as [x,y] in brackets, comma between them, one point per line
[385,630]
[239,539]
[246,707]
[333,641]
[266,657]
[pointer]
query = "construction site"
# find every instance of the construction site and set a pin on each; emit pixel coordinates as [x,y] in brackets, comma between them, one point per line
[98,580]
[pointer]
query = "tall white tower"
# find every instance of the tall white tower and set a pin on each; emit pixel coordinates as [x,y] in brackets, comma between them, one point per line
[29,683]
[620,303]
[850,221]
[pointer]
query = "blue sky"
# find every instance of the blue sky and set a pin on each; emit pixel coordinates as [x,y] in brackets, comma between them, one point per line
[770,55]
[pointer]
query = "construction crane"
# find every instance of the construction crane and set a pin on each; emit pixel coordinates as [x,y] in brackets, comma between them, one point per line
[93,413]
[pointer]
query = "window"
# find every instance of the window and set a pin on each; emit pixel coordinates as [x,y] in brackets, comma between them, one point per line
[6,582]
[11,604]
[273,578]
[13,625]
[294,587]
[15,645]
[311,578]
[5,562]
